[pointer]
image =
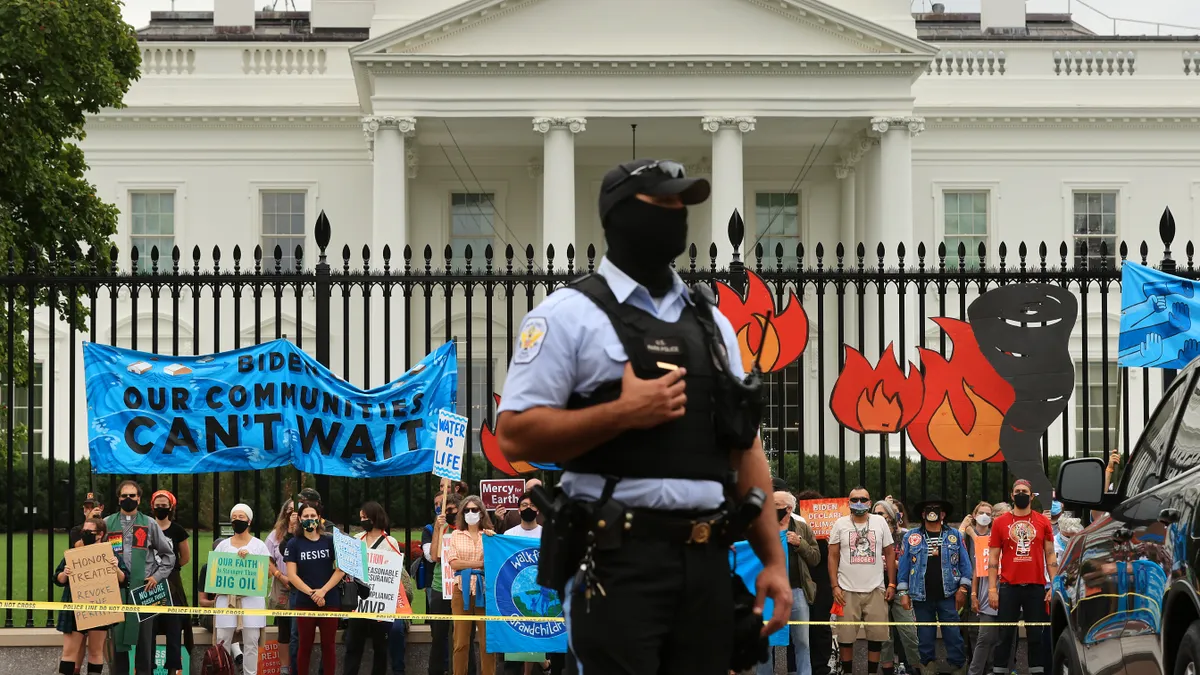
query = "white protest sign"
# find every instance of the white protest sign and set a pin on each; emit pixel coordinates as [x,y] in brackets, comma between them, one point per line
[447,573]
[351,554]
[451,441]
[383,576]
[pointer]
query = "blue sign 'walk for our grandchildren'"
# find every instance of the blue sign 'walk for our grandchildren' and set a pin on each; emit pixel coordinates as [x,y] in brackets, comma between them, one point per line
[1160,319]
[510,567]
[261,407]
[747,566]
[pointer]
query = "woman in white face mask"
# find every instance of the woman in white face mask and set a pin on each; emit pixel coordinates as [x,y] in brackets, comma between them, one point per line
[466,560]
[982,636]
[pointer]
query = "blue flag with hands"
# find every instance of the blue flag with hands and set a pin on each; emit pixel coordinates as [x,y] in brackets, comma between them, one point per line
[1160,319]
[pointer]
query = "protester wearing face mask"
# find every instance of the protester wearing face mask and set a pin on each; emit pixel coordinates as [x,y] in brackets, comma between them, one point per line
[861,561]
[92,531]
[613,378]
[466,559]
[935,580]
[150,557]
[507,519]
[1023,541]
[173,626]
[287,523]
[242,543]
[387,638]
[979,522]
[530,525]
[903,635]
[316,584]
[441,648]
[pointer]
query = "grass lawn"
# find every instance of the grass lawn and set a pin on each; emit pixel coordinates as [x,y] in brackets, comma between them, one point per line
[44,564]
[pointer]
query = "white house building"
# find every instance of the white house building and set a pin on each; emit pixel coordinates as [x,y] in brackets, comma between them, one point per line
[474,122]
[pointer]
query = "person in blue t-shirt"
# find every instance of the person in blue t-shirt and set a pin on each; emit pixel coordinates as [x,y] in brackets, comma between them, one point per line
[315,582]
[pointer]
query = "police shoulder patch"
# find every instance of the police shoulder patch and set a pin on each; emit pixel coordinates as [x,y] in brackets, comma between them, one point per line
[529,343]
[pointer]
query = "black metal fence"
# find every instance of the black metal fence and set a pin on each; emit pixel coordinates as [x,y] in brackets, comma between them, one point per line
[405,303]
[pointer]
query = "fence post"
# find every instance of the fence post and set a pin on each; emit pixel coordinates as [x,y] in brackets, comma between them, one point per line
[737,231]
[323,290]
[1166,231]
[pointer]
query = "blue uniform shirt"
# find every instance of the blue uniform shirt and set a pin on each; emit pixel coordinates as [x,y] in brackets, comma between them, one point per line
[567,345]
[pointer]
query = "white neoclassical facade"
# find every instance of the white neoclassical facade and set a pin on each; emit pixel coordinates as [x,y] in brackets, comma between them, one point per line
[466,123]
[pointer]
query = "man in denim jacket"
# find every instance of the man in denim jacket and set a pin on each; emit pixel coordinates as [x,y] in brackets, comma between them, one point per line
[935,580]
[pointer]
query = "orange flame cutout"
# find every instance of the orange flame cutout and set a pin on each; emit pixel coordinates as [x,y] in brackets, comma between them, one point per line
[491,450]
[876,400]
[965,402]
[776,346]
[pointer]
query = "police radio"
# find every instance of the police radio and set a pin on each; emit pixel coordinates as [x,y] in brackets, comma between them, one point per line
[739,403]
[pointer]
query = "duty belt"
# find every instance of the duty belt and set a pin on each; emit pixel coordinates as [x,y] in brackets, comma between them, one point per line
[673,527]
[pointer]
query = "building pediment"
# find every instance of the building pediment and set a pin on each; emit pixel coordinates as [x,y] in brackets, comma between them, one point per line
[678,29]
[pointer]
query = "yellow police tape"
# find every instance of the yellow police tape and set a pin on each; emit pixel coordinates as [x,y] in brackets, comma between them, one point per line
[316,614]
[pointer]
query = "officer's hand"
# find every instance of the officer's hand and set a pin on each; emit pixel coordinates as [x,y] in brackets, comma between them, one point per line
[773,583]
[649,403]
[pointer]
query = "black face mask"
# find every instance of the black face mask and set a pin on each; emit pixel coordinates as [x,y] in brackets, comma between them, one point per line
[780,514]
[162,512]
[528,515]
[240,526]
[643,239]
[365,524]
[129,505]
[88,538]
[451,518]
[1022,500]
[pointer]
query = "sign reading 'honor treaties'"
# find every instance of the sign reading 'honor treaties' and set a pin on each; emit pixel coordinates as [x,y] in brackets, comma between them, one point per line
[261,407]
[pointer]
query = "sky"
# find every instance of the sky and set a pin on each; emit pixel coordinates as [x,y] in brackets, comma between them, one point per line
[1182,12]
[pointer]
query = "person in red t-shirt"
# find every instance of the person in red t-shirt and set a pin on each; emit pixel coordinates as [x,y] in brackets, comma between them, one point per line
[1023,541]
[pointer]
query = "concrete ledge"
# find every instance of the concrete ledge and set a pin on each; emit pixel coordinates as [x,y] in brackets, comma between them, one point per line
[50,637]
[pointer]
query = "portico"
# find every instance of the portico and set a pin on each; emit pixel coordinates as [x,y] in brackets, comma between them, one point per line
[818,94]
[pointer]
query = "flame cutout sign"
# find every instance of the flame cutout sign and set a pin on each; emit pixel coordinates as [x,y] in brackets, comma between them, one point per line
[491,450]
[964,404]
[879,399]
[775,345]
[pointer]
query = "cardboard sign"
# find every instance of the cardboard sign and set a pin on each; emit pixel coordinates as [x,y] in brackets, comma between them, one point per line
[451,440]
[160,596]
[351,554]
[268,658]
[160,660]
[447,573]
[383,576]
[821,514]
[93,580]
[497,493]
[229,574]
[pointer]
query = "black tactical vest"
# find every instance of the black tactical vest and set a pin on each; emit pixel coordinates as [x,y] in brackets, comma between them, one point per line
[682,448]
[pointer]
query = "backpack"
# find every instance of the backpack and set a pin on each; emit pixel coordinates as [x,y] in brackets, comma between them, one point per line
[216,661]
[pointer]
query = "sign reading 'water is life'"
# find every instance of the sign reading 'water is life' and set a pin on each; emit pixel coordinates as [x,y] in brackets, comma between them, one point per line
[261,407]
[451,441]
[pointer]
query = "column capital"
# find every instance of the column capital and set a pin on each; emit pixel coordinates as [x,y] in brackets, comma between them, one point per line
[882,125]
[407,126]
[744,124]
[575,125]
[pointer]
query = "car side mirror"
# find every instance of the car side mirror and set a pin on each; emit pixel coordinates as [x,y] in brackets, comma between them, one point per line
[1081,482]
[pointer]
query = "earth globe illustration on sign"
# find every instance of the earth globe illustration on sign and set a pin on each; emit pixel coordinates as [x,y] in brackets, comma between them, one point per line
[518,595]
[532,599]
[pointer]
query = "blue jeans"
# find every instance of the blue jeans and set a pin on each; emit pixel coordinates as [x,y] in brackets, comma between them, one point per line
[942,611]
[799,638]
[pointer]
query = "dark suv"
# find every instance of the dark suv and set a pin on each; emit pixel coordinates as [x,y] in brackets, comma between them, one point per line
[1127,598]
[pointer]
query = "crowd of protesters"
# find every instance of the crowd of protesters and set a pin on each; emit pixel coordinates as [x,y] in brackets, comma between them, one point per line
[874,568]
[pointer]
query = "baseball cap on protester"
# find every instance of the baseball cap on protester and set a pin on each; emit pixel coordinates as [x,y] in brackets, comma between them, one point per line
[310,495]
[657,178]
[90,499]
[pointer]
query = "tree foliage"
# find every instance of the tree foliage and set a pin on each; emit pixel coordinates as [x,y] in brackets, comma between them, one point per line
[60,60]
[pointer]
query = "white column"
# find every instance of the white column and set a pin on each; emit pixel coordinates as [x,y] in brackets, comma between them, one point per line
[386,139]
[847,181]
[386,136]
[558,184]
[727,182]
[896,181]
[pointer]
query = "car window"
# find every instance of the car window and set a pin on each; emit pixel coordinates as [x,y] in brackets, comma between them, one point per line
[1184,454]
[1147,456]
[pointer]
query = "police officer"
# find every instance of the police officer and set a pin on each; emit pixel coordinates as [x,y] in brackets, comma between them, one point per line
[660,599]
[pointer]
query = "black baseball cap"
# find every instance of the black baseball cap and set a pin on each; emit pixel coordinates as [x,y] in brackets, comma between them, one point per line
[90,499]
[310,495]
[655,177]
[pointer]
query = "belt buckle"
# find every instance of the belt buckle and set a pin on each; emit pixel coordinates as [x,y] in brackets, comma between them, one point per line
[701,532]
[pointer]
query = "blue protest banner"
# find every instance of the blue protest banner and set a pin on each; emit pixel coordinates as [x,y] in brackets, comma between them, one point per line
[261,407]
[747,565]
[1160,319]
[510,570]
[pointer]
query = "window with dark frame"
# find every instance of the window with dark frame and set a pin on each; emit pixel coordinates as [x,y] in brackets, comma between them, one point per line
[472,223]
[152,225]
[283,222]
[1095,225]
